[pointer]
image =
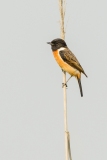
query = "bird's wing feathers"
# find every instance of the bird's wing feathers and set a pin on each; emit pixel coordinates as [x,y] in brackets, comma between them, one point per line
[70,59]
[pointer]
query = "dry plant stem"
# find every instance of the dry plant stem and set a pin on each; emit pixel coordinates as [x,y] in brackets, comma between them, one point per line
[62,14]
[65,116]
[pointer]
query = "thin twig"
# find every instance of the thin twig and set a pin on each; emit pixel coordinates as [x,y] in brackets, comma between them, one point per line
[62,9]
[62,15]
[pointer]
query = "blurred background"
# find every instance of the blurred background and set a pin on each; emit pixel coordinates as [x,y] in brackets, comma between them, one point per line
[31,95]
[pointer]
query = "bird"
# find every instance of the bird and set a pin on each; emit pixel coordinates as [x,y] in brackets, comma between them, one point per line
[67,60]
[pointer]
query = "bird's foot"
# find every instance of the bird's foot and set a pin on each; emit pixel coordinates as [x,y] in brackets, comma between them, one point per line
[64,84]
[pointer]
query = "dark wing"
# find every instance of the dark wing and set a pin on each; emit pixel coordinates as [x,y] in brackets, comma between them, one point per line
[70,58]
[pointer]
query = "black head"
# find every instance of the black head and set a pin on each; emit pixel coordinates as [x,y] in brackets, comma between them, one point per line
[57,44]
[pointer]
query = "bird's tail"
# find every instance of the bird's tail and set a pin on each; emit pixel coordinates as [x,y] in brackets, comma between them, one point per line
[80,86]
[85,74]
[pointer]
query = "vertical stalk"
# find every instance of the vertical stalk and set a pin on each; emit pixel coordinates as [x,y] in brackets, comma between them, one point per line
[65,116]
[62,33]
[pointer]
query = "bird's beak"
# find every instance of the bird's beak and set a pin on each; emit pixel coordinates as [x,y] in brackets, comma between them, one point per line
[49,43]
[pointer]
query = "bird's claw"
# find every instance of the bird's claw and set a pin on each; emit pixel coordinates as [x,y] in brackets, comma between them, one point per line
[64,84]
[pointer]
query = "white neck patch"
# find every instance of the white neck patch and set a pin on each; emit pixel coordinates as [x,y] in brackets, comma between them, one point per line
[61,49]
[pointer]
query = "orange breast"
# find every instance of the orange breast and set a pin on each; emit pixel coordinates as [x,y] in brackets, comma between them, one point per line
[66,67]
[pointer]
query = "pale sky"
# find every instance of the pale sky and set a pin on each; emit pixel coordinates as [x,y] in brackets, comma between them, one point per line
[31,95]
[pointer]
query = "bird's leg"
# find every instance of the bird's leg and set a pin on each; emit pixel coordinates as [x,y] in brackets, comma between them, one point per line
[65,84]
[68,79]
